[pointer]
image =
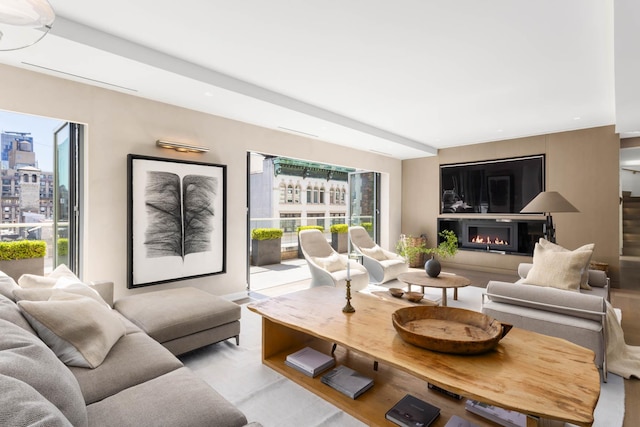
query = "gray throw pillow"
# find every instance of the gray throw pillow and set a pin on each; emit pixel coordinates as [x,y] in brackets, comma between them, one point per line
[24,357]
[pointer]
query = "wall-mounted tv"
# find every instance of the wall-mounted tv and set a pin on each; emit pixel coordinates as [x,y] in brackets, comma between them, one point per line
[503,186]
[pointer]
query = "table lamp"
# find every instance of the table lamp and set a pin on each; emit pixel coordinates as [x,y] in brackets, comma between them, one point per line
[547,202]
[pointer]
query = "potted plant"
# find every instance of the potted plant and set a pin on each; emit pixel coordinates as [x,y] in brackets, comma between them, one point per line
[306,227]
[448,247]
[339,237]
[266,246]
[412,249]
[22,256]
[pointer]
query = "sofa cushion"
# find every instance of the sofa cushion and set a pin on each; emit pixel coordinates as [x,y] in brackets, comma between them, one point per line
[562,270]
[584,277]
[332,263]
[28,407]
[24,357]
[80,330]
[7,285]
[134,359]
[173,313]
[192,403]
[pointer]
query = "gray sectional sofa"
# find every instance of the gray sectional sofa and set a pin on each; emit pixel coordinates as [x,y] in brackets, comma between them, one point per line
[139,382]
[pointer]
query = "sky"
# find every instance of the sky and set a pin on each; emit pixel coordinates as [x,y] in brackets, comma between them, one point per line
[41,128]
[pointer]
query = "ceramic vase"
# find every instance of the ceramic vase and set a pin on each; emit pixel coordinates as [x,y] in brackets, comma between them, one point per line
[432,267]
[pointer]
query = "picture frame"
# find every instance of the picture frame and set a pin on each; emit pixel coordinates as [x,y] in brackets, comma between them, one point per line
[176,220]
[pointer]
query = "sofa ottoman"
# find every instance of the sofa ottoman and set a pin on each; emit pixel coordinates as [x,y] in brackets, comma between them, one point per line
[182,319]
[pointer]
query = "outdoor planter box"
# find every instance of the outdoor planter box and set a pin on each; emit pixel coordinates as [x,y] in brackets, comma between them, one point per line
[339,242]
[265,252]
[17,267]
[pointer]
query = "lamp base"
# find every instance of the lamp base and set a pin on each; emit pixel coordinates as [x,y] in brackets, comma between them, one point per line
[550,230]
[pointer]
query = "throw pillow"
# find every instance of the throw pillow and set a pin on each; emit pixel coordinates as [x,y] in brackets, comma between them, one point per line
[7,285]
[375,253]
[562,270]
[24,357]
[584,278]
[45,294]
[60,278]
[332,263]
[78,329]
[48,281]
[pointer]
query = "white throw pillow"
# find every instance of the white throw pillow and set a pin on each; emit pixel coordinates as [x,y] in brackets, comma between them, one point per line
[80,330]
[60,278]
[332,263]
[374,252]
[584,278]
[562,270]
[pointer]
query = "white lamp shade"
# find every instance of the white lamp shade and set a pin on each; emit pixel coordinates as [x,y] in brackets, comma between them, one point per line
[549,202]
[24,22]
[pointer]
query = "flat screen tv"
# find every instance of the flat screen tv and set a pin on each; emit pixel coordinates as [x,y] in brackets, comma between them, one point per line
[502,186]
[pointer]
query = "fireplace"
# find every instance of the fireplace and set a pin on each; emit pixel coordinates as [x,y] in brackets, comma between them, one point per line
[489,235]
[506,236]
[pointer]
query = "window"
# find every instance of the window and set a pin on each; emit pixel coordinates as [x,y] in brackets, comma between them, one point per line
[289,193]
[309,194]
[283,193]
[322,195]
[296,194]
[332,196]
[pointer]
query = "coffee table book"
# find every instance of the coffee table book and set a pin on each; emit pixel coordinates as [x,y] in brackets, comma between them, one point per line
[347,381]
[501,416]
[309,361]
[412,412]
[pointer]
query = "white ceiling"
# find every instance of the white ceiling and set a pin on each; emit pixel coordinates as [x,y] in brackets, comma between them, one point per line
[402,78]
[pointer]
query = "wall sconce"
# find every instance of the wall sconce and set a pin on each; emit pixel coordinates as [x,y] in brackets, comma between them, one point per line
[182,147]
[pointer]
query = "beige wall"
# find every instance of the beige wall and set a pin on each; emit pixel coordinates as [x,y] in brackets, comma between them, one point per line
[119,124]
[582,165]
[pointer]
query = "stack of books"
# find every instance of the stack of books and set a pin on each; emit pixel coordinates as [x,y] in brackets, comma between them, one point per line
[309,361]
[412,412]
[347,381]
[504,417]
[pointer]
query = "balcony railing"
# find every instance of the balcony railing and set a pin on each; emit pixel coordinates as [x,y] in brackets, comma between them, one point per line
[290,226]
[35,231]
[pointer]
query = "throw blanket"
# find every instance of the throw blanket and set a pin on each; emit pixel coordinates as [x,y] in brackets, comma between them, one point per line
[622,359]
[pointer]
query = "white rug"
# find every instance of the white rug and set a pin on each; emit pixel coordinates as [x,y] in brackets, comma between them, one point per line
[238,374]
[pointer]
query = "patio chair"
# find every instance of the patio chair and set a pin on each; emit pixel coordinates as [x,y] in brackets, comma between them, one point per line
[328,268]
[381,264]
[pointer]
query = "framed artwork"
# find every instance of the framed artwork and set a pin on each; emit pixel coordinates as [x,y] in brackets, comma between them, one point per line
[176,220]
[499,189]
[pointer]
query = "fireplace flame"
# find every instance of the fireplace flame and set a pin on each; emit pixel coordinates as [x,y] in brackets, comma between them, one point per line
[489,240]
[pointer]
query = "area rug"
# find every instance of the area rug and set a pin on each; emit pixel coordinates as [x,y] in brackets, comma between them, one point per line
[238,374]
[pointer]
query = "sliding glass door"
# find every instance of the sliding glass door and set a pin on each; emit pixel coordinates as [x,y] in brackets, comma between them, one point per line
[364,209]
[67,190]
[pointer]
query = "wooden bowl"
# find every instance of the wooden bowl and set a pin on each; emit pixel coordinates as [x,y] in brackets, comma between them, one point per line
[396,292]
[415,296]
[448,329]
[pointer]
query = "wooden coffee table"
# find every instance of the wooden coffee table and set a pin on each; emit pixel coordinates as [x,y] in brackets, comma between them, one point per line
[444,281]
[541,376]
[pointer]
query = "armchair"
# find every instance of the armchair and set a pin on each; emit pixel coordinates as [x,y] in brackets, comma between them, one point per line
[381,264]
[577,316]
[327,267]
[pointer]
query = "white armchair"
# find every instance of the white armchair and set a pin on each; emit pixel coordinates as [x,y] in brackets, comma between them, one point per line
[327,267]
[381,264]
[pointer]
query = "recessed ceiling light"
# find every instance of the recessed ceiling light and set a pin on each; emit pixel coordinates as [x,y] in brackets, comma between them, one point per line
[208,94]
[499,130]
